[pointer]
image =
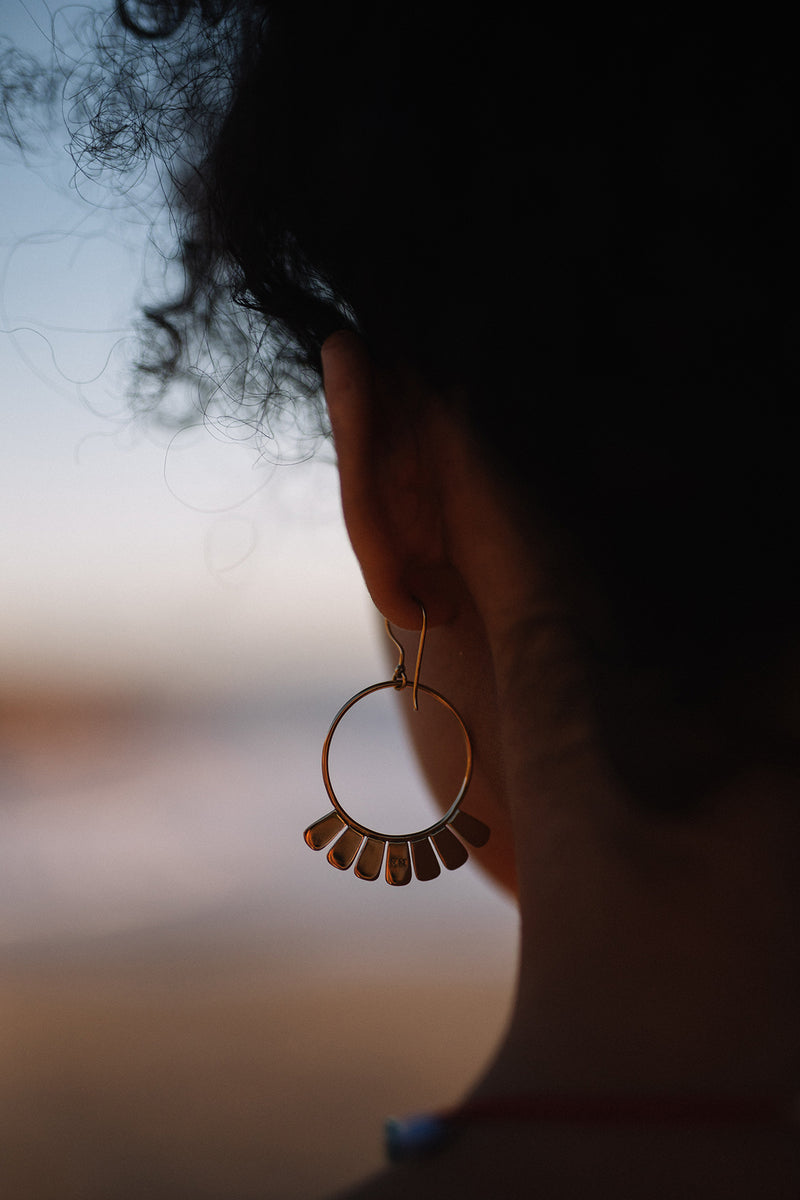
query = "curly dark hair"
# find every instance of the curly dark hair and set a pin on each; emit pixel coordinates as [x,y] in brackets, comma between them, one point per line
[577,228]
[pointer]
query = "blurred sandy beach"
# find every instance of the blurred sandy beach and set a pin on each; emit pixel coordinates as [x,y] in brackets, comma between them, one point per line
[194,1004]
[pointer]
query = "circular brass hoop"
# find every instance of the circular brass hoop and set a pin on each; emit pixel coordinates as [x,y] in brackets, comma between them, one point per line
[364,829]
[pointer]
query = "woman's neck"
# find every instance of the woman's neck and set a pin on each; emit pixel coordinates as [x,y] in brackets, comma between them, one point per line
[657,955]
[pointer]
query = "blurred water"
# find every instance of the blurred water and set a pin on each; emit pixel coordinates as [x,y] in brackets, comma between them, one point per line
[175,815]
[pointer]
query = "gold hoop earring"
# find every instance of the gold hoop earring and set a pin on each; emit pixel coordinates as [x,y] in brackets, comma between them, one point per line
[366,847]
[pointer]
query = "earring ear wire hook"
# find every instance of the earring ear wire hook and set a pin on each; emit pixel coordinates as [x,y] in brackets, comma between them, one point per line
[422,635]
[400,678]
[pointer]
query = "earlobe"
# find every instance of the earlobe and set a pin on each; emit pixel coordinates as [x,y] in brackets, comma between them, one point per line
[388,499]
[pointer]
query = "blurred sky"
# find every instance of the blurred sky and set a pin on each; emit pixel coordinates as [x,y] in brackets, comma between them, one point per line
[131,556]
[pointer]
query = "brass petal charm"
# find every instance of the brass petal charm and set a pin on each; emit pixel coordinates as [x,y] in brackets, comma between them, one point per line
[398,864]
[470,828]
[451,851]
[426,864]
[323,831]
[342,854]
[370,859]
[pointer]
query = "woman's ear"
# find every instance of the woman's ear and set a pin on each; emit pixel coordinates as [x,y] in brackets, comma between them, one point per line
[388,484]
